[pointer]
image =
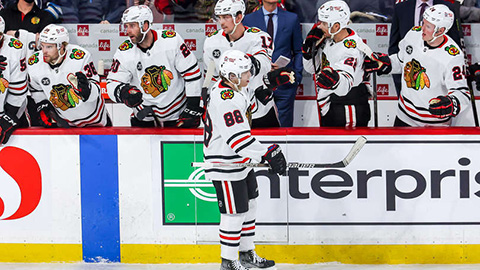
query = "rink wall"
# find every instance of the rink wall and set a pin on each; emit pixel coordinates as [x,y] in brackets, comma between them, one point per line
[131,196]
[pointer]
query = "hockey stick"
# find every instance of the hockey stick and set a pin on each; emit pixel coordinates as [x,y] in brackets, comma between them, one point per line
[361,141]
[207,81]
[375,100]
[314,55]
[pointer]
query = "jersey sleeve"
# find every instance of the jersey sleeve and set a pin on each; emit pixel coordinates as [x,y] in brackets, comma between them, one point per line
[234,127]
[17,86]
[456,82]
[397,59]
[119,75]
[91,73]
[346,69]
[187,65]
[262,50]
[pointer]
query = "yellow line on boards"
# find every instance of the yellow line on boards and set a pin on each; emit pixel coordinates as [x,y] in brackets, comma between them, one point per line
[36,253]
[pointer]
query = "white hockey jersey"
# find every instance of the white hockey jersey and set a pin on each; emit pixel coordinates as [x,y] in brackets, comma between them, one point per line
[427,73]
[13,81]
[346,59]
[227,135]
[47,83]
[166,74]
[253,42]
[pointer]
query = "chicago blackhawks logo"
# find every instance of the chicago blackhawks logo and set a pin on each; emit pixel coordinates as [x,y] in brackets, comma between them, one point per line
[415,75]
[15,43]
[77,54]
[253,30]
[3,85]
[452,50]
[33,59]
[325,62]
[417,28]
[125,45]
[63,97]
[350,43]
[156,80]
[227,94]
[168,33]
[213,33]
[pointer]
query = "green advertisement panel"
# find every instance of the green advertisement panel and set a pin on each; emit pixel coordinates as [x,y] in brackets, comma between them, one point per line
[188,198]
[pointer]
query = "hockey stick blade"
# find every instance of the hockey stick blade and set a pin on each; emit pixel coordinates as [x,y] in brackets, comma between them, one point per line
[361,141]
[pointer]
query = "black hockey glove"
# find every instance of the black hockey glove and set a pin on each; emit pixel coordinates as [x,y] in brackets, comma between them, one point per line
[278,77]
[3,64]
[255,65]
[45,110]
[379,62]
[191,115]
[314,36]
[328,79]
[83,86]
[444,106]
[128,94]
[8,125]
[264,95]
[275,159]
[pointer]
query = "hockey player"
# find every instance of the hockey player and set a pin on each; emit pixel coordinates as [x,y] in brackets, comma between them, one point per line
[227,138]
[341,92]
[13,84]
[155,74]
[259,47]
[434,87]
[64,83]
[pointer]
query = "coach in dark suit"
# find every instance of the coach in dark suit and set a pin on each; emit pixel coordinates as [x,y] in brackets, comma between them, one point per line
[287,36]
[407,14]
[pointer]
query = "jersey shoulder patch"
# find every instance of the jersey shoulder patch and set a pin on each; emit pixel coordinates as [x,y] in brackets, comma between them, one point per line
[253,30]
[350,43]
[126,45]
[33,59]
[227,94]
[168,33]
[77,54]
[417,28]
[452,50]
[213,33]
[15,43]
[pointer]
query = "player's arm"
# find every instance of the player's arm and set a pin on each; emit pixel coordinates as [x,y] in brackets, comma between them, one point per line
[314,37]
[86,82]
[458,97]
[119,88]
[186,64]
[339,77]
[207,58]
[261,54]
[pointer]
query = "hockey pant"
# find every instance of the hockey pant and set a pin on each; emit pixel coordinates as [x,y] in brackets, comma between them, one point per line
[340,115]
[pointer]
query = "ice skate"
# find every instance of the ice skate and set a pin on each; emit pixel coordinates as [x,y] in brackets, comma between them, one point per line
[231,265]
[251,260]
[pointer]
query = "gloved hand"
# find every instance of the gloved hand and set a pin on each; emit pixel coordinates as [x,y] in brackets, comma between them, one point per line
[3,64]
[264,95]
[278,77]
[474,69]
[128,94]
[314,36]
[83,86]
[275,159]
[8,124]
[328,78]
[255,65]
[444,106]
[379,63]
[190,117]
[44,110]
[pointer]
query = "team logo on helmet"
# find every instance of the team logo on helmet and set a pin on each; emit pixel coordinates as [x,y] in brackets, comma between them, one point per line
[415,75]
[125,45]
[168,33]
[417,28]
[63,97]
[15,43]
[213,33]
[35,20]
[77,54]
[156,80]
[227,94]
[350,43]
[33,59]
[452,50]
[253,30]
[3,85]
